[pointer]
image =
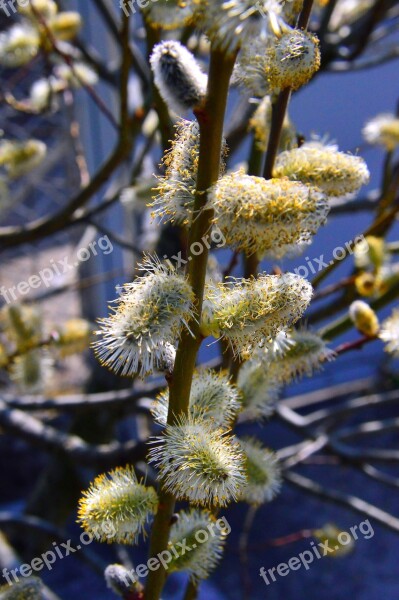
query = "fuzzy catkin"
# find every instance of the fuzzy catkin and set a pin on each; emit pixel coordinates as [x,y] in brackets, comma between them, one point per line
[178,76]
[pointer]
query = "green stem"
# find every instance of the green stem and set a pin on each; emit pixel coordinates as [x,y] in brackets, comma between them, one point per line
[211,119]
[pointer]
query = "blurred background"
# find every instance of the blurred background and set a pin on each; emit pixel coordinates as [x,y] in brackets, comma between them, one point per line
[42,481]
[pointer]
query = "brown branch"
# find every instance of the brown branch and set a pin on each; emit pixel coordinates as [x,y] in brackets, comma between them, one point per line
[48,438]
[353,503]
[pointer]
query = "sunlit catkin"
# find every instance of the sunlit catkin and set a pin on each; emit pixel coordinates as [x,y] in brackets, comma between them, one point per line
[263,473]
[116,507]
[266,216]
[212,396]
[199,462]
[138,336]
[333,172]
[246,312]
[202,534]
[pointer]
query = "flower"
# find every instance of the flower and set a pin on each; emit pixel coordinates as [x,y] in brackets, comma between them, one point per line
[371,253]
[232,23]
[31,372]
[266,216]
[19,158]
[41,96]
[260,124]
[382,130]
[389,333]
[204,539]
[176,190]
[18,45]
[292,60]
[30,589]
[346,12]
[116,507]
[364,318]
[263,473]
[66,25]
[331,535]
[305,354]
[121,581]
[23,325]
[212,397]
[46,8]
[259,391]
[170,14]
[76,75]
[178,76]
[74,336]
[253,310]
[335,173]
[147,320]
[199,462]
[250,68]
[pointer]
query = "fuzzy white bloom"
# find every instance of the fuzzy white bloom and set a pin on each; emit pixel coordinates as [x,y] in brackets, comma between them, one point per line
[147,320]
[119,580]
[323,166]
[263,473]
[31,372]
[116,507]
[41,94]
[232,23]
[30,589]
[170,14]
[66,25]
[292,60]
[19,158]
[205,540]
[252,310]
[178,76]
[266,216]
[382,130]
[364,318]
[260,124]
[46,8]
[250,69]
[371,253]
[306,354]
[260,393]
[199,462]
[389,333]
[73,336]
[212,397]
[176,190]
[347,12]
[23,325]
[18,45]
[80,74]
